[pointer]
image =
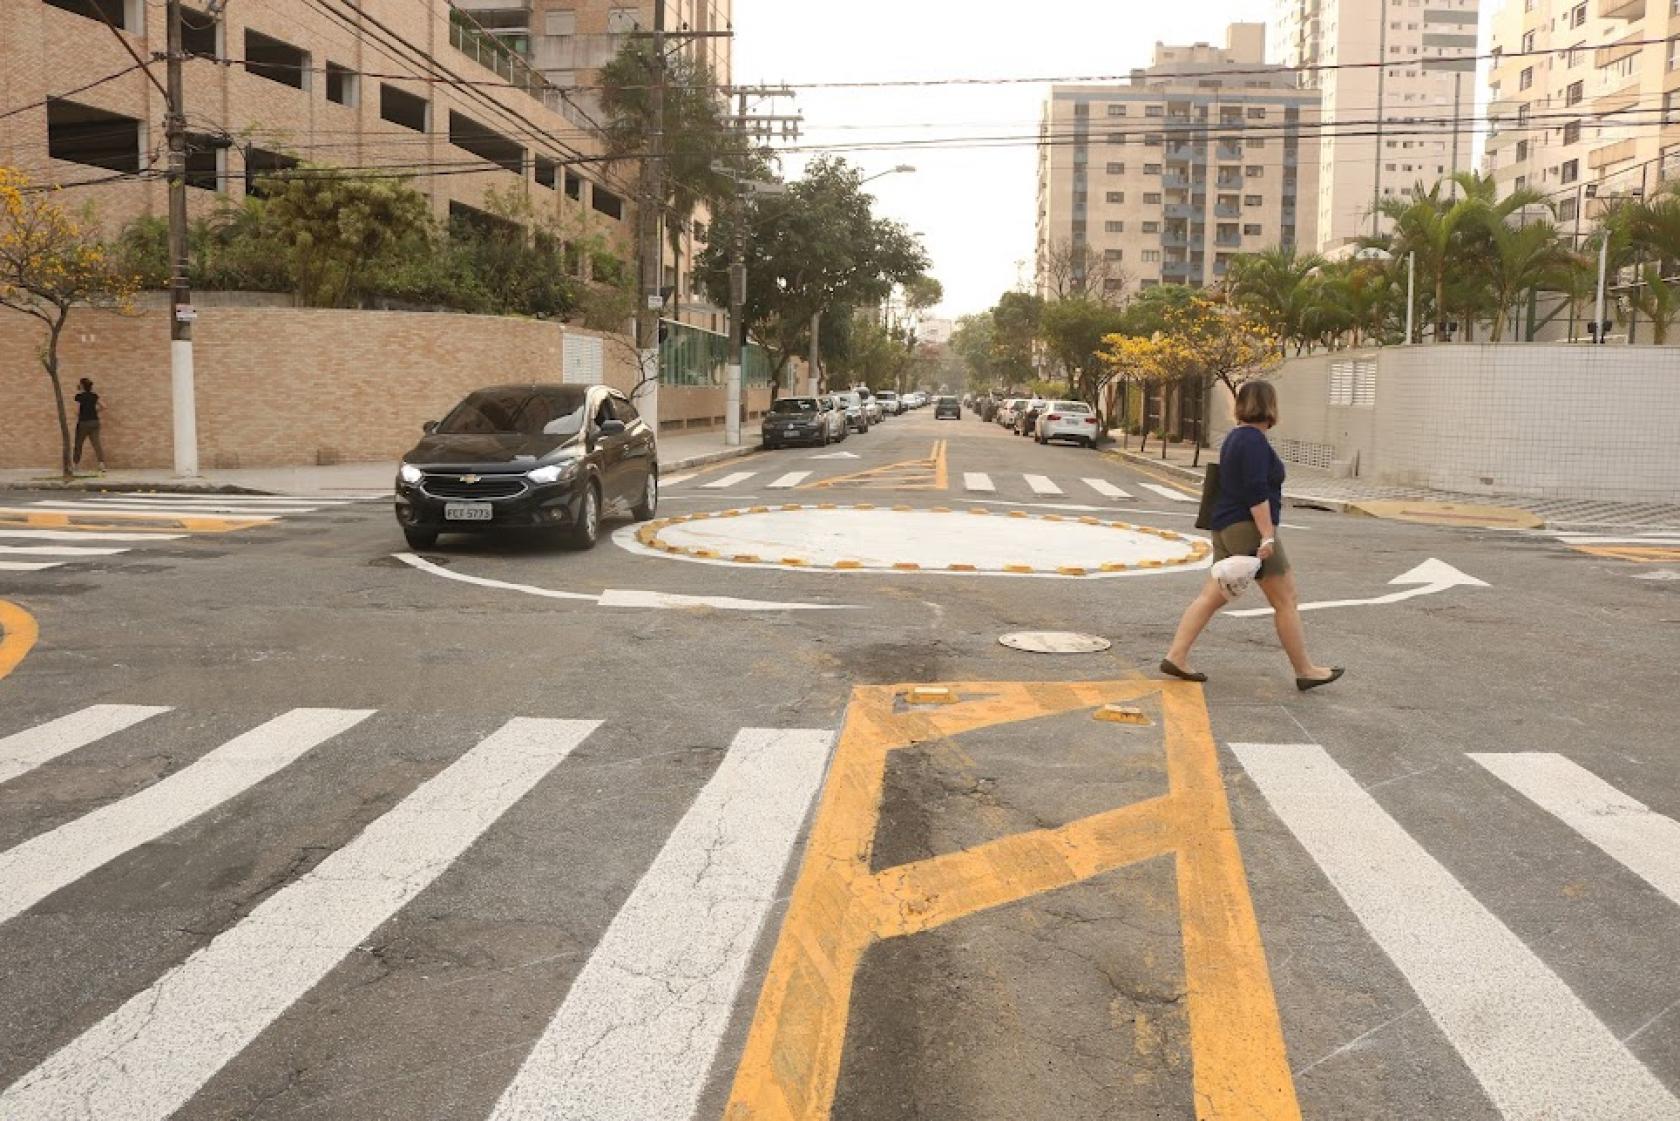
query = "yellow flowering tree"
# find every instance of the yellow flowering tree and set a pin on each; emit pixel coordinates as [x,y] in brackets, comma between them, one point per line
[50,261]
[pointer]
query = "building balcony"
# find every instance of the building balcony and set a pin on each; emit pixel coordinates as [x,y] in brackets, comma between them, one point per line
[1182,210]
[1178,240]
[1225,210]
[1179,271]
[1621,9]
[1175,181]
[1228,241]
[1185,153]
[1228,153]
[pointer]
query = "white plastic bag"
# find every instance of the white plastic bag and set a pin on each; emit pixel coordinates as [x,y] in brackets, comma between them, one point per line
[1234,575]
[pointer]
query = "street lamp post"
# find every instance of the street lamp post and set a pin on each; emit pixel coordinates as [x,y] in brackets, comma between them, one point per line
[1372,253]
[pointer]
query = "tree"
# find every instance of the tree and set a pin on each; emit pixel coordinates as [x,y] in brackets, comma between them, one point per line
[50,262]
[1073,331]
[818,248]
[1271,285]
[973,341]
[1523,258]
[1016,319]
[1658,299]
[1069,271]
[334,226]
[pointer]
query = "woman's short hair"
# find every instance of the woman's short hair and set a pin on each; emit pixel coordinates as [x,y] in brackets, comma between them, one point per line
[1257,403]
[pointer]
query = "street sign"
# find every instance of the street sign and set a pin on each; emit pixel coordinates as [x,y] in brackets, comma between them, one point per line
[186,313]
[655,301]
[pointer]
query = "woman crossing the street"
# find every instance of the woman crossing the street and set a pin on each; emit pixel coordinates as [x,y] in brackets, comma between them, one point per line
[1244,522]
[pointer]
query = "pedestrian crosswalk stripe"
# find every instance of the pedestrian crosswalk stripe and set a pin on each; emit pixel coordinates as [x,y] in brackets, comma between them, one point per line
[28,566]
[790,480]
[23,751]
[146,1059]
[108,512]
[673,480]
[1527,1038]
[1042,485]
[197,507]
[728,480]
[1168,493]
[1107,489]
[44,864]
[636,1035]
[1643,841]
[84,535]
[58,551]
[978,481]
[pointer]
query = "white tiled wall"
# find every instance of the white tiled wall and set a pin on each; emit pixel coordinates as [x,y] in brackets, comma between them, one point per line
[1533,420]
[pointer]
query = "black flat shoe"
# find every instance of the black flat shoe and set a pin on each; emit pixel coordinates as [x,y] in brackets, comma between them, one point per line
[1171,670]
[1305,683]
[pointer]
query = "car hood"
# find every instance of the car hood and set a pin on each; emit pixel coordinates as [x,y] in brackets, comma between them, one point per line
[500,449]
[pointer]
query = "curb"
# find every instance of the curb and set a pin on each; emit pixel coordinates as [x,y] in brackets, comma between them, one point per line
[706,458]
[1142,460]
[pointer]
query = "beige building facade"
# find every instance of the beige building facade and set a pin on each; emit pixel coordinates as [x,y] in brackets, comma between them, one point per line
[1584,99]
[1386,129]
[1206,154]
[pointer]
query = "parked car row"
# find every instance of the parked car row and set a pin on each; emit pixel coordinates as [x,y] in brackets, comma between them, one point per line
[1044,420]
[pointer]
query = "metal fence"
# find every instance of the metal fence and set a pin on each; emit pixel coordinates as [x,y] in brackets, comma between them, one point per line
[693,356]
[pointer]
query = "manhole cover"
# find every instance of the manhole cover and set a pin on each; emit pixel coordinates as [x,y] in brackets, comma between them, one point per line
[1055,642]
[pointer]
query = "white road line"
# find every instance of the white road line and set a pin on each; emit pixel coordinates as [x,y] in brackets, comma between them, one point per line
[1537,1051]
[216,499]
[90,510]
[728,480]
[201,507]
[23,751]
[28,566]
[1643,841]
[1041,485]
[1106,488]
[143,1061]
[57,551]
[979,482]
[1649,539]
[44,864]
[1168,493]
[85,535]
[673,480]
[641,1025]
[790,480]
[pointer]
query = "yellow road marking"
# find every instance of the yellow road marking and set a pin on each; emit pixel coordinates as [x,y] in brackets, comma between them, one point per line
[1638,554]
[791,1062]
[910,474]
[114,520]
[18,632]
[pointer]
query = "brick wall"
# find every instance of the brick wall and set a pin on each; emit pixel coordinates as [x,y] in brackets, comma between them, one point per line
[287,386]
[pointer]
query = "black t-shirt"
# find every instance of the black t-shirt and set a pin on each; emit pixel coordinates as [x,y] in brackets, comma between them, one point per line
[88,401]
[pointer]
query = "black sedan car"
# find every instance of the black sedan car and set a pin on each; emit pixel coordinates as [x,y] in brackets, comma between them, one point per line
[530,457]
[796,420]
[947,407]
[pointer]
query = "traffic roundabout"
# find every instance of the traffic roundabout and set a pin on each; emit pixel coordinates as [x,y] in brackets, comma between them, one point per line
[867,538]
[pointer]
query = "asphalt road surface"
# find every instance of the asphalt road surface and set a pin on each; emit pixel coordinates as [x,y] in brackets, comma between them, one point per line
[751,815]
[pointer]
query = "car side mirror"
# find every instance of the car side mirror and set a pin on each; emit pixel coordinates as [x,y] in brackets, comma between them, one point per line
[611,428]
[429,427]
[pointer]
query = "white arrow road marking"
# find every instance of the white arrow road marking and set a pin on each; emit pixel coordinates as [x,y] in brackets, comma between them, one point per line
[668,601]
[838,455]
[1428,578]
[1168,493]
[1643,841]
[637,1033]
[1536,1049]
[1106,489]
[43,864]
[728,480]
[28,566]
[790,480]
[979,482]
[143,1061]
[85,535]
[1041,485]
[24,751]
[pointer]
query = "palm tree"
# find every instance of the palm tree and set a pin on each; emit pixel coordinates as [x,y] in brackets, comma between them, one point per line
[1270,285]
[1657,298]
[1522,259]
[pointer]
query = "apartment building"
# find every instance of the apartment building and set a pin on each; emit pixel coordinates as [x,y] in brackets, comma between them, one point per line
[376,85]
[1385,129]
[1584,99]
[1206,154]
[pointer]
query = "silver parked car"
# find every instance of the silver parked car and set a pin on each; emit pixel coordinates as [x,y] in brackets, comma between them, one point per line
[838,429]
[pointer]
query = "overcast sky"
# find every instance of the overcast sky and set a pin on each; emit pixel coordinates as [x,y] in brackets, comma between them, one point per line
[975,207]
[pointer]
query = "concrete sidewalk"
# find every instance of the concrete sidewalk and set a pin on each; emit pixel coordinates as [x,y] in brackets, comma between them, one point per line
[1320,488]
[339,480]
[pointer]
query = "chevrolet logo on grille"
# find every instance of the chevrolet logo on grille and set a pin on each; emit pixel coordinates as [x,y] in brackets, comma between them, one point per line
[469,479]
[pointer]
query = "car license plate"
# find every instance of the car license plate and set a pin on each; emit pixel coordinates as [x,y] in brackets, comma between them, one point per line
[467,511]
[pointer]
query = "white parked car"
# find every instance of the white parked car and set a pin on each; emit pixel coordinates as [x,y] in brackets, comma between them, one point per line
[1007,411]
[1068,420]
[890,403]
[870,405]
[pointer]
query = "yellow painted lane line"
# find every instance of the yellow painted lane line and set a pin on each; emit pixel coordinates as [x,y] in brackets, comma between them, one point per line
[839,908]
[941,475]
[1635,553]
[18,633]
[102,519]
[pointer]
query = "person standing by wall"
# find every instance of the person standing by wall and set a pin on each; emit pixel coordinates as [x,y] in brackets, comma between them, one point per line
[1244,523]
[88,411]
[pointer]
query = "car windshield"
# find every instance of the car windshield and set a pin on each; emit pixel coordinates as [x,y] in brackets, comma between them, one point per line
[795,405]
[947,400]
[848,400]
[1070,407]
[523,411]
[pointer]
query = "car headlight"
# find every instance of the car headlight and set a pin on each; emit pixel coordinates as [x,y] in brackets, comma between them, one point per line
[554,472]
[410,474]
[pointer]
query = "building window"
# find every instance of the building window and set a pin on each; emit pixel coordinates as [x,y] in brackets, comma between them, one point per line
[1567,210]
[605,202]
[485,143]
[1117,110]
[1254,171]
[85,135]
[1152,140]
[1081,109]
[574,186]
[276,60]
[1152,169]
[198,34]
[1152,227]
[1117,169]
[1114,227]
[546,172]
[1578,15]
[114,10]
[402,108]
[1253,200]
[1525,80]
[343,85]
[1571,132]
[1251,230]
[1256,114]
[1152,256]
[1570,171]
[259,165]
[1572,94]
[1114,254]
[1154,110]
[1116,196]
[1116,138]
[1152,198]
[204,161]
[1522,151]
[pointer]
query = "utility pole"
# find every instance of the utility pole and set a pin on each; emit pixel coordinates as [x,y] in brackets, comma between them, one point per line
[736,365]
[652,235]
[814,376]
[181,314]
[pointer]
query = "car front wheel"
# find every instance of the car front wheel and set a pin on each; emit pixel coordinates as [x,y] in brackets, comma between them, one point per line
[420,538]
[587,529]
[644,510]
